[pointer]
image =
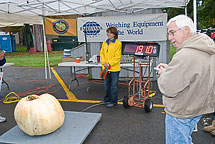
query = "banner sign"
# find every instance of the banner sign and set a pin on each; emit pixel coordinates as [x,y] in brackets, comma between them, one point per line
[60,26]
[147,27]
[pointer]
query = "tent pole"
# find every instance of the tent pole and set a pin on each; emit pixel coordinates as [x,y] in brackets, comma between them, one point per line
[195,13]
[45,47]
[185,10]
[46,53]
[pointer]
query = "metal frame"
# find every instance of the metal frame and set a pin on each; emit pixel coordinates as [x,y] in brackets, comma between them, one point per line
[143,86]
[89,7]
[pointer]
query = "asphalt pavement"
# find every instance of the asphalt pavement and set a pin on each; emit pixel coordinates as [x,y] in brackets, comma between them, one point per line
[117,125]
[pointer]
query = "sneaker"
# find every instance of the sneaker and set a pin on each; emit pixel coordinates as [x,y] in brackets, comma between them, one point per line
[103,102]
[110,105]
[213,133]
[2,119]
[210,128]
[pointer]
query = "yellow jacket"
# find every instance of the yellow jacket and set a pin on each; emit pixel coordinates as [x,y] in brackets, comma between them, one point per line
[111,53]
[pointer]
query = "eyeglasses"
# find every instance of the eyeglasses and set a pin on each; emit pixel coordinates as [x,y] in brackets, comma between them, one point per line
[171,33]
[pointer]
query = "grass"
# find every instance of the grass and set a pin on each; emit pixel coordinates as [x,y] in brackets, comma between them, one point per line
[172,51]
[23,58]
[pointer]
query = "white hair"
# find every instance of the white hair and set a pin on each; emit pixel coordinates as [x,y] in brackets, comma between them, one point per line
[181,21]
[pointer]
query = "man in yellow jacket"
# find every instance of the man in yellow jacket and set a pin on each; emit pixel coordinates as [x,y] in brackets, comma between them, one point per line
[110,54]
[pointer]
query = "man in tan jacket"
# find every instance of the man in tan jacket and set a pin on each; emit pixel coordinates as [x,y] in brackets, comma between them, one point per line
[187,82]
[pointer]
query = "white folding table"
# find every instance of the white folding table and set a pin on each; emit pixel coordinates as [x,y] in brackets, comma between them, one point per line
[85,64]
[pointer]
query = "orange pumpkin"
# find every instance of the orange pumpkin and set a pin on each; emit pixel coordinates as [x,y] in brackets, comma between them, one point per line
[39,115]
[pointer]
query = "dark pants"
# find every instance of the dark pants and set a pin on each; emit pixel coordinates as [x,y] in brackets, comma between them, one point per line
[213,115]
[111,87]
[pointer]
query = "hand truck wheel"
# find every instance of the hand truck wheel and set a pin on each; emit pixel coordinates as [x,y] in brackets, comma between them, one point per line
[148,105]
[125,102]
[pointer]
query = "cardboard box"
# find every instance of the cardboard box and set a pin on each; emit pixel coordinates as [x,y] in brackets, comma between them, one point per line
[71,59]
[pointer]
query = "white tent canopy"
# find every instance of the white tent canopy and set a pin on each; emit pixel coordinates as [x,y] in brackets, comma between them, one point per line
[22,11]
[17,12]
[18,20]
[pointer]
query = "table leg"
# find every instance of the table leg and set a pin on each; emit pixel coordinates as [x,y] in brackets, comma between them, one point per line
[74,77]
[4,82]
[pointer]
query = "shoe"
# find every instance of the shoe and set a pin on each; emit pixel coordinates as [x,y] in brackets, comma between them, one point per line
[103,102]
[210,128]
[2,119]
[213,133]
[110,105]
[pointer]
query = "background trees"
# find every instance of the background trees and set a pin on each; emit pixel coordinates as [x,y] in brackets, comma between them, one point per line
[205,13]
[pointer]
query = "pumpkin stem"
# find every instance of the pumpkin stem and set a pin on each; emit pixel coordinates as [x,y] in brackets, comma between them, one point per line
[31,97]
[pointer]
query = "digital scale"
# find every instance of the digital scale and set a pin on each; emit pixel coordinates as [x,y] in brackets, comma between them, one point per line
[141,49]
[139,94]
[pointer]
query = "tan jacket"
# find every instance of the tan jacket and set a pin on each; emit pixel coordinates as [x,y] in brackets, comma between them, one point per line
[111,54]
[188,84]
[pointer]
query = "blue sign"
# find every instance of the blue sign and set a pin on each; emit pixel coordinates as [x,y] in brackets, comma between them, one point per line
[91,28]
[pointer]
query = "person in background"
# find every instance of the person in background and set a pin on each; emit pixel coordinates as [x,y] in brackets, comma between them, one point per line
[110,55]
[187,83]
[209,32]
[213,36]
[2,119]
[211,128]
[2,62]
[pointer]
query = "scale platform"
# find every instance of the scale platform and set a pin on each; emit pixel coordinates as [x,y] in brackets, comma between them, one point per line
[77,126]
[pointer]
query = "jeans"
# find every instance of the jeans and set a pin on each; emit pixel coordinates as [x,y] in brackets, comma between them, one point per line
[111,87]
[179,131]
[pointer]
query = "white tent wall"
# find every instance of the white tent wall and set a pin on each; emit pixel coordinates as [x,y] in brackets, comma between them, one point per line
[94,48]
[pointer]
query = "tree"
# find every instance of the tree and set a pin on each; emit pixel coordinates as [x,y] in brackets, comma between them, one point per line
[205,12]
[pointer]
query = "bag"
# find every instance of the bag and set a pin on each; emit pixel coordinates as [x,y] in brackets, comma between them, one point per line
[104,72]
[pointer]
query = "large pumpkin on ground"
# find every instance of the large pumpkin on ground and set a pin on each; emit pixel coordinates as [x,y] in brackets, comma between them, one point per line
[39,115]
